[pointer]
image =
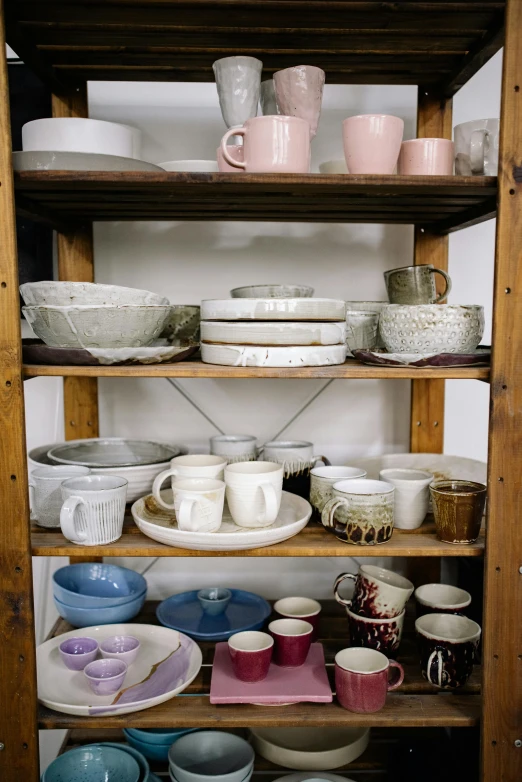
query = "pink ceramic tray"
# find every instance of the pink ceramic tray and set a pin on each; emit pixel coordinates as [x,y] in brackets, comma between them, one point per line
[281,686]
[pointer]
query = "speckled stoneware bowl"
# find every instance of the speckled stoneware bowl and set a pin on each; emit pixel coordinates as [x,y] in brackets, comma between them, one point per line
[441,328]
[183,323]
[62,293]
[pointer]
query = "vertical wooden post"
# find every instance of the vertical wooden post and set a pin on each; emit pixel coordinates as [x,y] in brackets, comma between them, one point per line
[427,400]
[18,717]
[502,650]
[76,263]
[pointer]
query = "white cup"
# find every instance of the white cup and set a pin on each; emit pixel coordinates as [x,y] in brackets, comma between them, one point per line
[412,495]
[198,503]
[254,491]
[189,466]
[93,509]
[234,447]
[45,493]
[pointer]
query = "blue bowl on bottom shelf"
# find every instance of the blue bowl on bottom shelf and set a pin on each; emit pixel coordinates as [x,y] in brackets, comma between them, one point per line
[93,764]
[158,735]
[97,585]
[87,617]
[140,759]
[150,750]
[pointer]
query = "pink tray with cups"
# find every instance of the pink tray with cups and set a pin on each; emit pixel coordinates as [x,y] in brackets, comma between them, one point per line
[307,683]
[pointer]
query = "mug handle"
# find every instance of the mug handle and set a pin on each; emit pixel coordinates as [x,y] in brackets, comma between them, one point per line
[436,655]
[327,515]
[32,503]
[447,289]
[322,459]
[477,150]
[67,522]
[230,160]
[338,581]
[184,517]
[271,508]
[159,480]
[400,677]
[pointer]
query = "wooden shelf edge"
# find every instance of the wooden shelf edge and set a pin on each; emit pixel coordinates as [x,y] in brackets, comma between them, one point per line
[193,369]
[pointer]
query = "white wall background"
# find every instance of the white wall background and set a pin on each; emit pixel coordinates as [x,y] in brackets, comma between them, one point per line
[191,261]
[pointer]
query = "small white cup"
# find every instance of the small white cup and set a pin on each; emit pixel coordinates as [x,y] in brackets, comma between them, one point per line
[234,447]
[411,496]
[45,492]
[189,466]
[198,503]
[93,509]
[254,491]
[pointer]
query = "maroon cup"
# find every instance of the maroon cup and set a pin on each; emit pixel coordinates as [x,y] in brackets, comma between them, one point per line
[292,639]
[441,599]
[382,635]
[251,654]
[300,608]
[362,679]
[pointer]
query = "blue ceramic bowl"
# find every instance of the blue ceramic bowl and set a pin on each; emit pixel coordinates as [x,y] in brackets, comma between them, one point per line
[93,764]
[87,617]
[158,735]
[97,585]
[138,757]
[151,751]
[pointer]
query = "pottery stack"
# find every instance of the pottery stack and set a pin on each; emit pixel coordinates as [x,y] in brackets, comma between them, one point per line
[267,328]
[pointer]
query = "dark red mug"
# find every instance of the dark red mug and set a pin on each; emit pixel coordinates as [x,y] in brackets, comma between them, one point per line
[292,640]
[362,679]
[251,654]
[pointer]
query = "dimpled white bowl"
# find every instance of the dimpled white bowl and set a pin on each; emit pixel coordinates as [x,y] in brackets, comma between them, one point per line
[437,328]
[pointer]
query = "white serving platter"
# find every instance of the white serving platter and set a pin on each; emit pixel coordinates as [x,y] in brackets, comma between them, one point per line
[273,309]
[161,525]
[443,466]
[273,334]
[77,161]
[167,663]
[263,356]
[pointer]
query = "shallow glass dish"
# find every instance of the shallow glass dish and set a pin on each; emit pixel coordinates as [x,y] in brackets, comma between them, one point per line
[113,452]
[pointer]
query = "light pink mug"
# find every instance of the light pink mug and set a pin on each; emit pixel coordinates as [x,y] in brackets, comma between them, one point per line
[236,151]
[428,156]
[372,143]
[273,144]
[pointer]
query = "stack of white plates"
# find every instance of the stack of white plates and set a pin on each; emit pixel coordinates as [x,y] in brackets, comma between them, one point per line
[299,332]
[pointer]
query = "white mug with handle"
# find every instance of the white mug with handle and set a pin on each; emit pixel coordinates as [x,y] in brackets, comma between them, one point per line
[476,147]
[188,466]
[254,492]
[198,503]
[93,510]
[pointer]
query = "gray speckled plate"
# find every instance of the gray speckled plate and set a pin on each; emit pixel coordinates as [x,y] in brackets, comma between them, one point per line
[480,357]
[37,352]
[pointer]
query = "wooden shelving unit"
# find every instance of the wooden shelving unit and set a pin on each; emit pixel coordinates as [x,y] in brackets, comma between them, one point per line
[435,45]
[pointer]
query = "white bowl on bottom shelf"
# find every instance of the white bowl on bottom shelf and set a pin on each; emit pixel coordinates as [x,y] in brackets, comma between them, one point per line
[310,749]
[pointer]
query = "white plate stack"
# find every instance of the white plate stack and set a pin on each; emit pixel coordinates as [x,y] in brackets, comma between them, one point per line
[273,332]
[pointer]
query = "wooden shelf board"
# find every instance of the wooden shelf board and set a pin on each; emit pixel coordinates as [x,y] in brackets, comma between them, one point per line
[417,704]
[351,369]
[435,44]
[313,541]
[442,203]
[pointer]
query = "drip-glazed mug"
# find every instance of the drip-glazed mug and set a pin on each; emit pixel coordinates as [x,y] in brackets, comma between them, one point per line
[378,593]
[447,645]
[297,459]
[360,511]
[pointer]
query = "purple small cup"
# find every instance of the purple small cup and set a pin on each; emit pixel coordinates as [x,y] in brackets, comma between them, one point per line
[78,652]
[120,647]
[292,640]
[105,677]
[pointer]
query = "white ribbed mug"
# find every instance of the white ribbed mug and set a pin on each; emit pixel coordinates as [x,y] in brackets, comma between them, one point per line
[45,492]
[254,491]
[93,509]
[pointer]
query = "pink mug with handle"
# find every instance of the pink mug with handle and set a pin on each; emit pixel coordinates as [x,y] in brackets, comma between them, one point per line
[362,679]
[274,144]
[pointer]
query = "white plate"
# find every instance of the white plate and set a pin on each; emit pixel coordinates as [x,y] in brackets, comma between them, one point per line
[158,352]
[161,525]
[77,161]
[167,663]
[441,465]
[273,309]
[209,166]
[310,749]
[278,333]
[258,356]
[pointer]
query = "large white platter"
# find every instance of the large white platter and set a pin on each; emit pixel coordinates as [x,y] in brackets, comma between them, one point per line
[273,309]
[77,161]
[273,334]
[258,356]
[161,525]
[441,465]
[167,663]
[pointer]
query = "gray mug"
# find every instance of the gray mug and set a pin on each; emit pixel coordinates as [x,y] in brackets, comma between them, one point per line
[415,285]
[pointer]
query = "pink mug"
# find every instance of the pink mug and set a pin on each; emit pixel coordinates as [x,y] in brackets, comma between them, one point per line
[272,144]
[372,143]
[428,156]
[362,679]
[236,151]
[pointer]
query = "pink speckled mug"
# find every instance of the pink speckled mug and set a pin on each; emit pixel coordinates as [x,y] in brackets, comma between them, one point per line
[362,679]
[236,151]
[372,143]
[272,144]
[428,156]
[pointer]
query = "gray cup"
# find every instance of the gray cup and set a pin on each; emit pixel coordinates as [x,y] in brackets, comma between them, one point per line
[45,492]
[415,285]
